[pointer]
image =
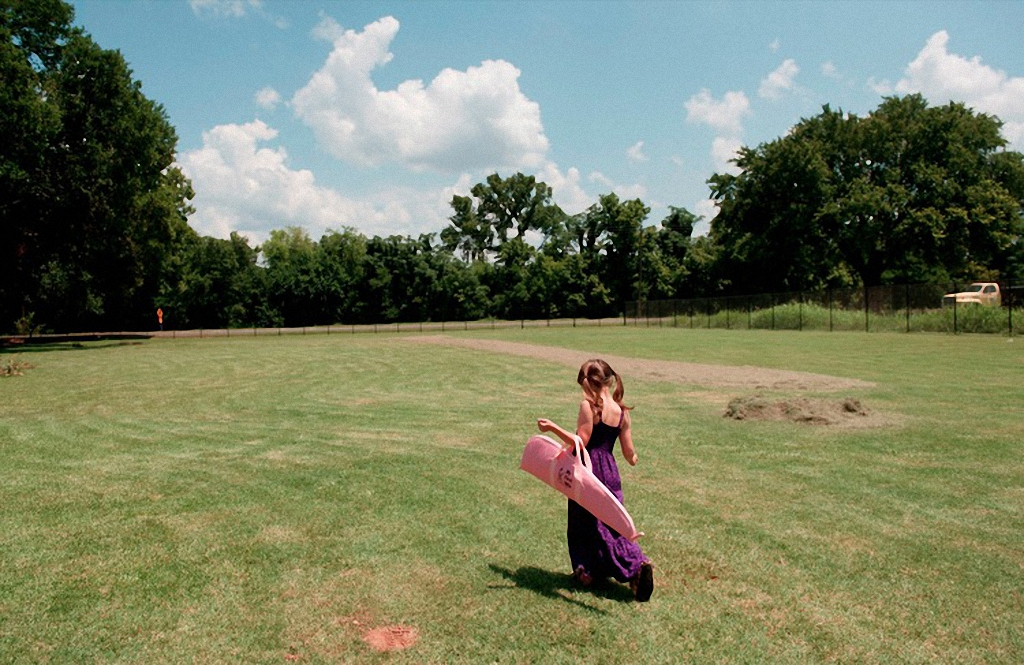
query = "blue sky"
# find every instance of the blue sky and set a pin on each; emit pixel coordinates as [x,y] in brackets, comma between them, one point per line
[371,115]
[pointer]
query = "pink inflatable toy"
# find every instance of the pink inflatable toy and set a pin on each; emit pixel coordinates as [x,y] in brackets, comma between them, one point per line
[571,475]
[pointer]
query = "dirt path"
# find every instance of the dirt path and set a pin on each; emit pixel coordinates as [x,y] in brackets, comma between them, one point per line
[717,376]
[752,404]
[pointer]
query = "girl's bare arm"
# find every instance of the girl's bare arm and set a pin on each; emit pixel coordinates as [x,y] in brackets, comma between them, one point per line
[584,426]
[626,438]
[585,422]
[545,425]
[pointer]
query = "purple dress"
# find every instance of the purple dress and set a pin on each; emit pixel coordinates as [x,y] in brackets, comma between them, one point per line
[601,551]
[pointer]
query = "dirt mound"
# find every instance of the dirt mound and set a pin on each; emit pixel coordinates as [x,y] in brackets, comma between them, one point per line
[844,412]
[727,376]
[391,638]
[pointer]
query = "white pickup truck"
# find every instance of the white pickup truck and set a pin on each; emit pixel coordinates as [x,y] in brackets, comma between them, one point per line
[979,293]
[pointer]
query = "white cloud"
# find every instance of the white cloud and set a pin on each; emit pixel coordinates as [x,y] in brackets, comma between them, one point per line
[883,87]
[268,98]
[476,119]
[624,192]
[225,8]
[725,115]
[774,46]
[566,190]
[241,186]
[829,69]
[779,81]
[707,209]
[234,9]
[723,149]
[635,153]
[942,76]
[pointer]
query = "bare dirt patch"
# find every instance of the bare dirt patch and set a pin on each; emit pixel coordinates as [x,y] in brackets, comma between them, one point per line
[847,412]
[391,638]
[717,376]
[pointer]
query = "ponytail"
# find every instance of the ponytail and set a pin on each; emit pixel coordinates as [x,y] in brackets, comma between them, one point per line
[594,375]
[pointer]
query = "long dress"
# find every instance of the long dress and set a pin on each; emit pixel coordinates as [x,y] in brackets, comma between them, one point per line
[600,550]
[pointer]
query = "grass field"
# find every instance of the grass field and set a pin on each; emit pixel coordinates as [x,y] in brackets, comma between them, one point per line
[288,499]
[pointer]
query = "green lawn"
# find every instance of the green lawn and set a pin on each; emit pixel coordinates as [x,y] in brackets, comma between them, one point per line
[274,499]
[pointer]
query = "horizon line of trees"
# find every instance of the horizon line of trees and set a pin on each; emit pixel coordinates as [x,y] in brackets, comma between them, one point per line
[94,230]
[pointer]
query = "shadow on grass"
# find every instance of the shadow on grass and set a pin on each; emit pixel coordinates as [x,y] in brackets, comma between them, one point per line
[556,585]
[35,347]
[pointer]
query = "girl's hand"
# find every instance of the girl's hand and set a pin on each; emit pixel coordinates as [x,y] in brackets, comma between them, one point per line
[632,460]
[545,425]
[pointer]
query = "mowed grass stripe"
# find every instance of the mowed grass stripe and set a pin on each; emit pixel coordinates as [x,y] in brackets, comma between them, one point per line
[256,499]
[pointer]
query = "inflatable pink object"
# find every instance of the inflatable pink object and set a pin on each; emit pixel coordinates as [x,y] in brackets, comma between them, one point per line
[571,475]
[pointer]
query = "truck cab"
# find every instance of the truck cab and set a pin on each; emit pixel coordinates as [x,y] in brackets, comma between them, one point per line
[978,293]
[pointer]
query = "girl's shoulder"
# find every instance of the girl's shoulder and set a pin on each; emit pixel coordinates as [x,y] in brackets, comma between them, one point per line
[614,415]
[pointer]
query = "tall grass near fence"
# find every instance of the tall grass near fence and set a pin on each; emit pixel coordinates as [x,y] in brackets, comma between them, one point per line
[799,316]
[901,308]
[810,316]
[280,499]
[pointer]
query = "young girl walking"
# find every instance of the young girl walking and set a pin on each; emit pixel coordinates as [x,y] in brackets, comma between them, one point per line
[596,551]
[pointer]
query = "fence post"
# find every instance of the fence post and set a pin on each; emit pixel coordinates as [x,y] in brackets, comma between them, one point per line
[955,331]
[830,310]
[906,301]
[867,324]
[1009,309]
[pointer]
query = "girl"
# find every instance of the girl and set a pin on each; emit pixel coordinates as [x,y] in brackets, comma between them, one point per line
[595,550]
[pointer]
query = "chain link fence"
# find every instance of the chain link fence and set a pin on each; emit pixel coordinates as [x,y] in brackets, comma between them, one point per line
[906,308]
[990,308]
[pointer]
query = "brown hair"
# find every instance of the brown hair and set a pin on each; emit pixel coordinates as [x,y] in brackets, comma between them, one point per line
[594,375]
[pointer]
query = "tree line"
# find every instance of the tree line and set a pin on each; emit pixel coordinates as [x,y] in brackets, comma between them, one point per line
[94,230]
[509,253]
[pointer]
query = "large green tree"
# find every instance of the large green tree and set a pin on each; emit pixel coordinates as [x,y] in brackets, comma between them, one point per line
[910,192]
[215,283]
[90,200]
[481,223]
[625,246]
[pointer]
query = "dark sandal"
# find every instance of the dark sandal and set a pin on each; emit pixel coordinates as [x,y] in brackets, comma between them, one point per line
[643,587]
